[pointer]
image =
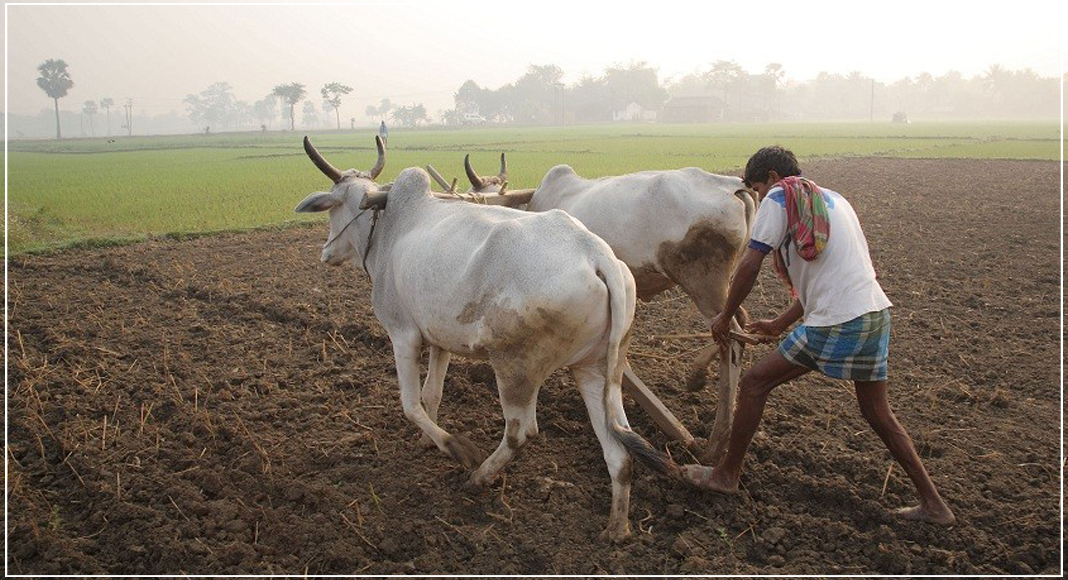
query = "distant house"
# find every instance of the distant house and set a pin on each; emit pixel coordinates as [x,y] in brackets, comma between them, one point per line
[693,109]
[634,112]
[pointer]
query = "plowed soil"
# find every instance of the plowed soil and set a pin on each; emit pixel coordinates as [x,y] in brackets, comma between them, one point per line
[228,404]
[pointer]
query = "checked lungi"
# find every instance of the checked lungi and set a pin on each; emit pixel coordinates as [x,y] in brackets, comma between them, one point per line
[855,350]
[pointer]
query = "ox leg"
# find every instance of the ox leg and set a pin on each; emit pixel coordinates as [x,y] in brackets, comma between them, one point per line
[591,384]
[406,354]
[730,370]
[432,386]
[699,369]
[519,398]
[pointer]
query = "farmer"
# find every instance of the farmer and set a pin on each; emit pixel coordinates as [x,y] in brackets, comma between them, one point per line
[820,252]
[383,132]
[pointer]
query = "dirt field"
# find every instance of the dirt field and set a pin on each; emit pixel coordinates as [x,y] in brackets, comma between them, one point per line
[228,405]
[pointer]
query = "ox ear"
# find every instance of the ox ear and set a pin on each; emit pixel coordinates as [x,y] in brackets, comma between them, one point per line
[319,201]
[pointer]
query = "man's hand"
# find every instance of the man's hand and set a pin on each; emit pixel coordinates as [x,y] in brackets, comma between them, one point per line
[745,274]
[720,325]
[768,327]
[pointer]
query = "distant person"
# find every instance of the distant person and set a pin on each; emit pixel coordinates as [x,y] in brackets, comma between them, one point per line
[383,132]
[822,255]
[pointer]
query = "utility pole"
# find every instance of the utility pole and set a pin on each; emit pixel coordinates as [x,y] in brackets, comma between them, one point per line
[129,116]
[871,110]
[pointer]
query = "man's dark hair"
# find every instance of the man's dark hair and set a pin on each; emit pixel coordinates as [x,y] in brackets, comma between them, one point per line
[770,158]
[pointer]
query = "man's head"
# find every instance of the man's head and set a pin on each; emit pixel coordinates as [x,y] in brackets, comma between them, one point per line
[767,166]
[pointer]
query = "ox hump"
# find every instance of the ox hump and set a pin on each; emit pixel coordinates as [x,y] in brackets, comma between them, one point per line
[557,173]
[413,182]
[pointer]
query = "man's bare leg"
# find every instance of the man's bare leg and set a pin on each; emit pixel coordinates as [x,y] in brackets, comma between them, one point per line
[876,410]
[770,372]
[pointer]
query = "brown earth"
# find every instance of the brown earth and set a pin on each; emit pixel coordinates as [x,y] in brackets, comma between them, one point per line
[227,404]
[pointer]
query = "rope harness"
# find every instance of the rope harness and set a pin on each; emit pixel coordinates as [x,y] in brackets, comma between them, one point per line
[374,222]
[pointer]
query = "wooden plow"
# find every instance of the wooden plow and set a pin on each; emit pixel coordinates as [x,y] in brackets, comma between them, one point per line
[632,385]
[664,419]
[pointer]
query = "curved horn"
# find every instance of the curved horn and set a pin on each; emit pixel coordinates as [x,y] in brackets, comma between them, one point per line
[381,163]
[438,178]
[504,169]
[329,170]
[476,181]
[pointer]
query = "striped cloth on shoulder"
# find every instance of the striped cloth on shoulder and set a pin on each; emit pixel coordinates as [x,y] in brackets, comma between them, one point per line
[807,223]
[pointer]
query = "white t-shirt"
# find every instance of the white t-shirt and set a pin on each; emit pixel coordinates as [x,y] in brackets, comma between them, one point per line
[840,284]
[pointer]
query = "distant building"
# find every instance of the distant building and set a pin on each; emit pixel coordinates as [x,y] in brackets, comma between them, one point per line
[693,109]
[634,112]
[472,119]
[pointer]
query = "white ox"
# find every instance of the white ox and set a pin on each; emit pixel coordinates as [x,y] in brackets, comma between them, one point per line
[680,227]
[530,293]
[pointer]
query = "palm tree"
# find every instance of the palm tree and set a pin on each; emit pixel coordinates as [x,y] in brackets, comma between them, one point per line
[774,70]
[55,81]
[332,97]
[291,94]
[997,80]
[90,109]
[774,74]
[106,103]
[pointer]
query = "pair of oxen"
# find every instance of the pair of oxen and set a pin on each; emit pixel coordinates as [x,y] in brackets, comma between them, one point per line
[537,290]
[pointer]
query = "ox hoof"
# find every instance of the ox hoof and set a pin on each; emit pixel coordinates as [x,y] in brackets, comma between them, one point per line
[616,533]
[696,382]
[426,441]
[463,450]
[477,482]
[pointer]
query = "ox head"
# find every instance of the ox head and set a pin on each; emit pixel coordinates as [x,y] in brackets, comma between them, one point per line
[479,184]
[486,184]
[353,192]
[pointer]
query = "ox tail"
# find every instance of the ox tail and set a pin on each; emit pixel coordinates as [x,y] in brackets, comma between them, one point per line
[621,304]
[750,208]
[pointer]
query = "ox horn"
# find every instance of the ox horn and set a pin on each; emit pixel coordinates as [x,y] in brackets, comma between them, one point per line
[503,175]
[381,163]
[438,178]
[476,181]
[329,170]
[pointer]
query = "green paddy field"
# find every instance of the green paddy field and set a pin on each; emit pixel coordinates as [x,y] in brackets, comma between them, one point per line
[98,191]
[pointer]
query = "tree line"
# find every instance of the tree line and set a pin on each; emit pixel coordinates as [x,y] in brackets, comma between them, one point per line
[724,91]
[216,106]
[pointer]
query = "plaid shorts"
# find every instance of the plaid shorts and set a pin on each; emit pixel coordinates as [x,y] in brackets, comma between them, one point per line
[855,350]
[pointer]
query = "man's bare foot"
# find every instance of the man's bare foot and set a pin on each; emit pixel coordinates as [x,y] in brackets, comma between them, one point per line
[711,478]
[942,516]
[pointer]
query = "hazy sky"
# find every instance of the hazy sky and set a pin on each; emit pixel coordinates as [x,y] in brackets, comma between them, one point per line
[414,52]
